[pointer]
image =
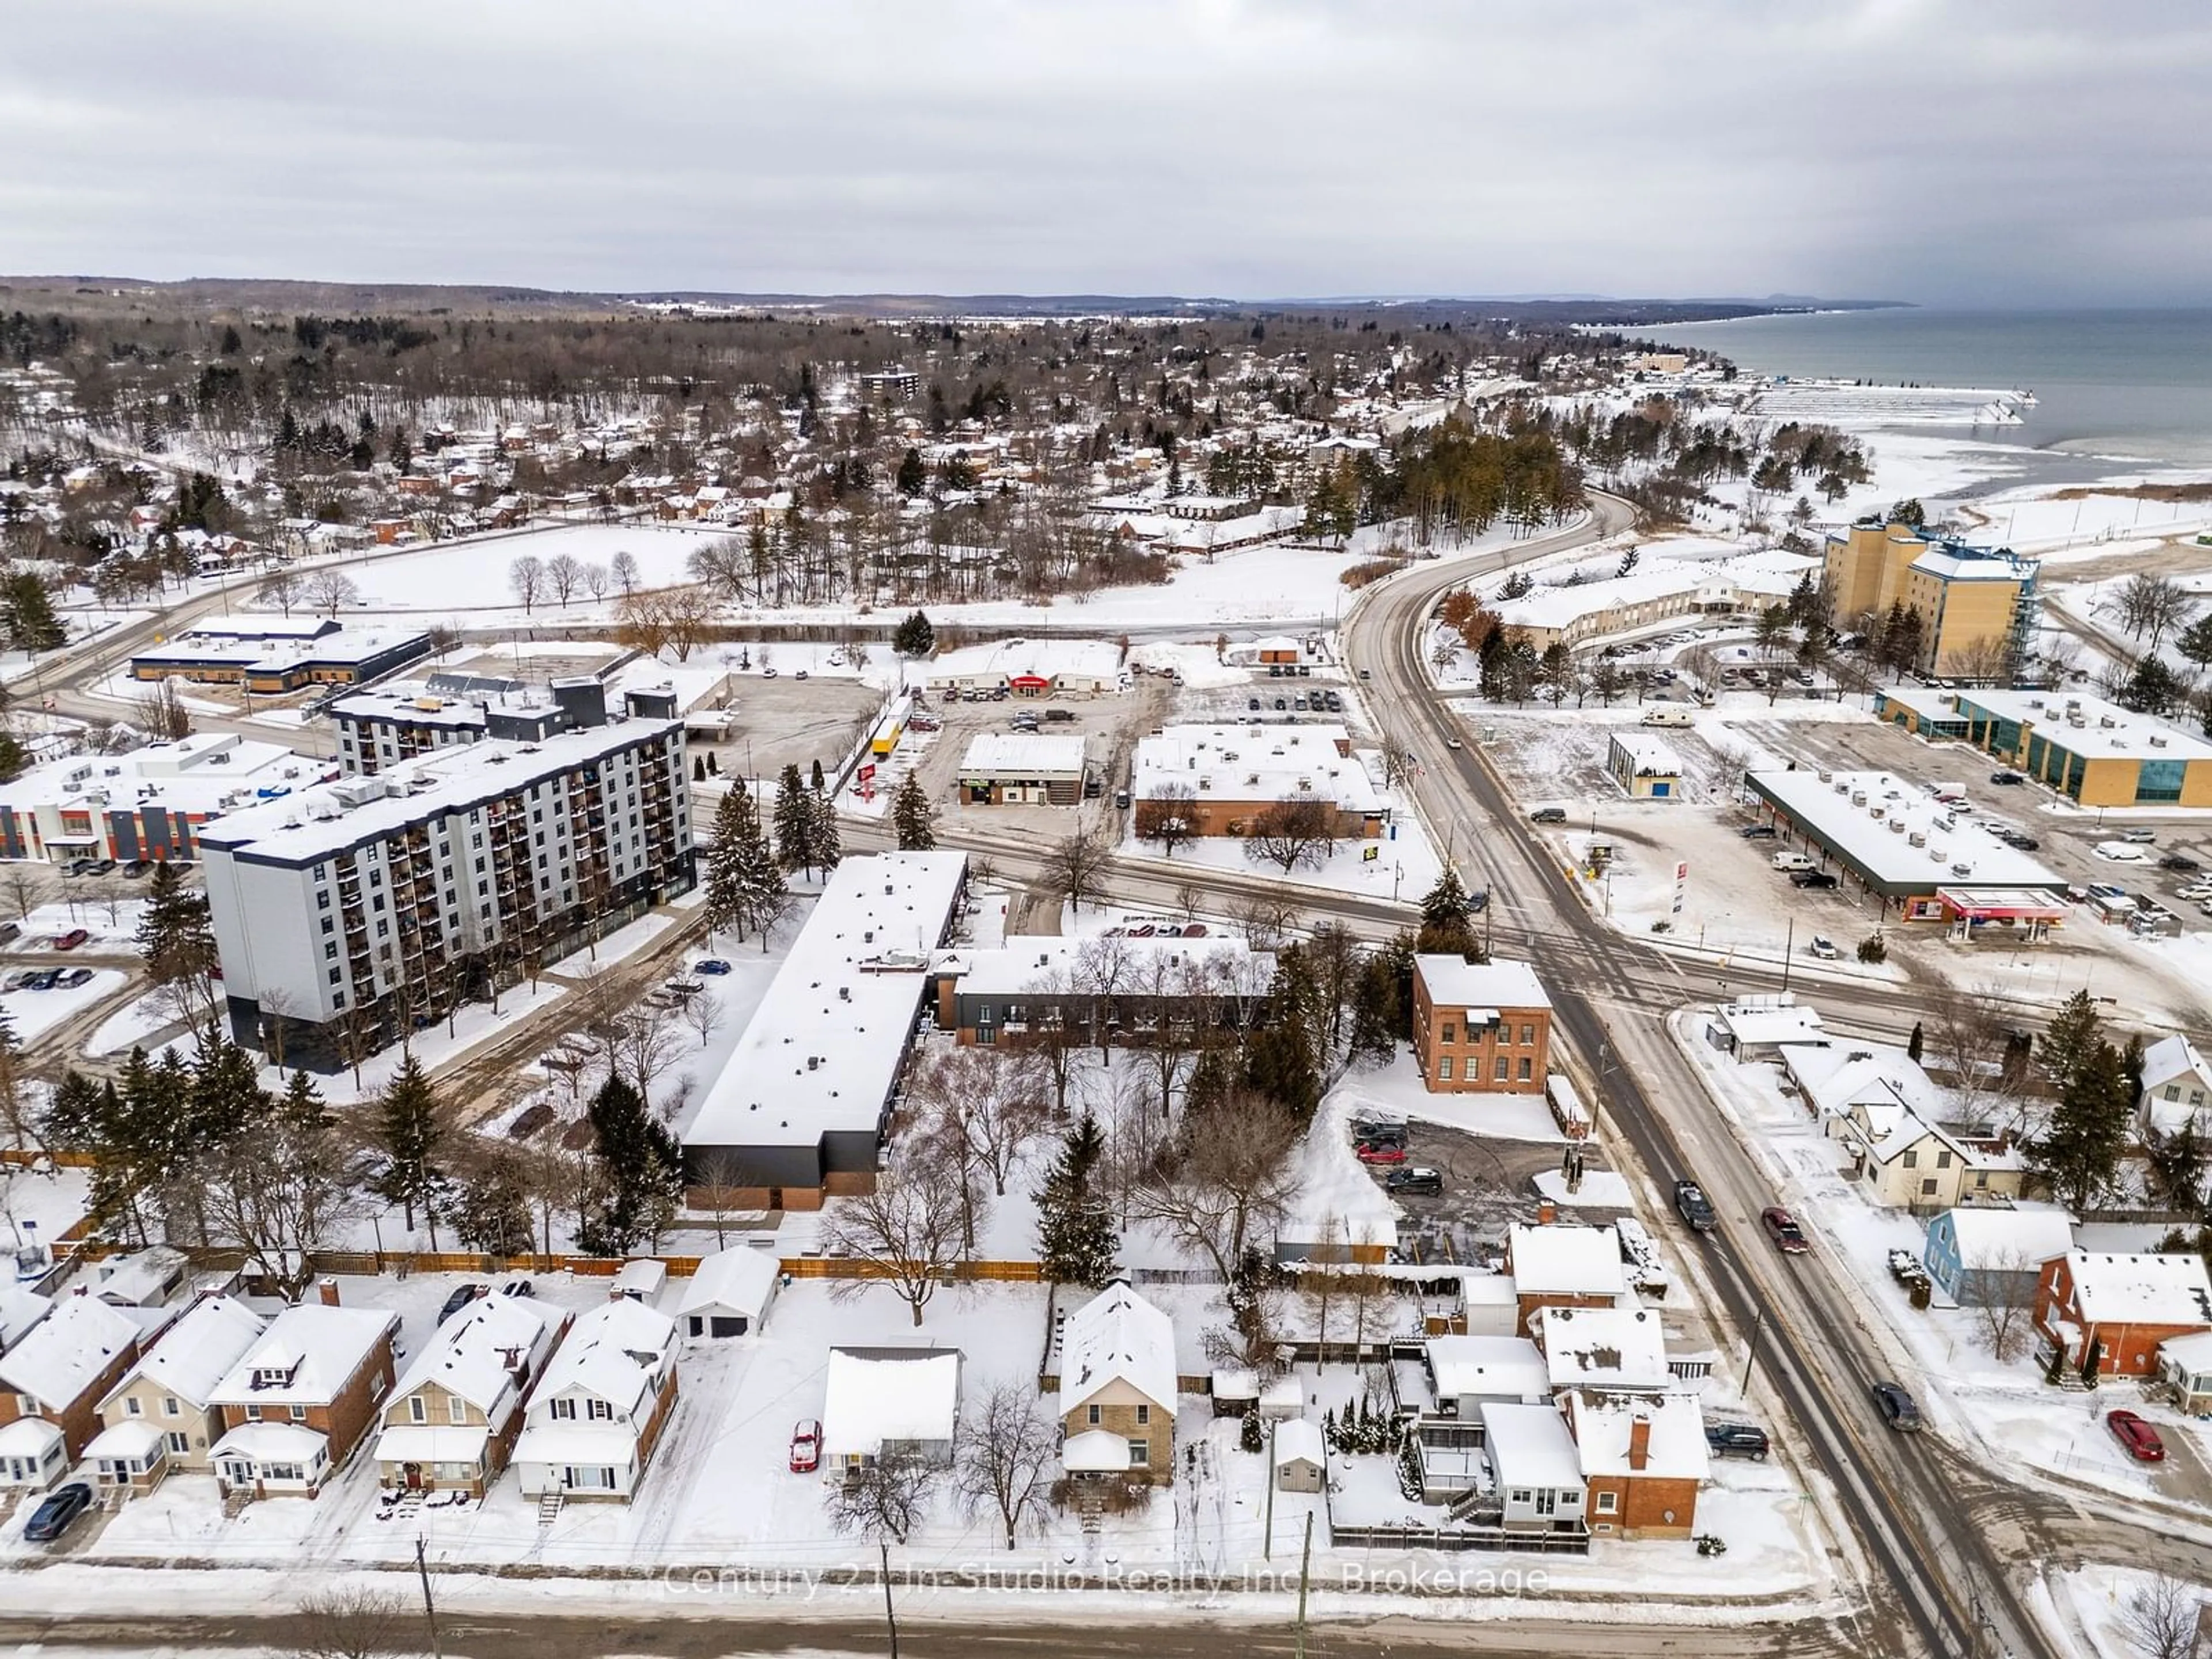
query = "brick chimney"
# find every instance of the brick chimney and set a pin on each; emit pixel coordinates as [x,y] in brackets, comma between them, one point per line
[1547,1212]
[1639,1441]
[326,1290]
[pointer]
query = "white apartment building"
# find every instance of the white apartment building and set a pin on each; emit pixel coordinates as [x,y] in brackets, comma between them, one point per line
[347,911]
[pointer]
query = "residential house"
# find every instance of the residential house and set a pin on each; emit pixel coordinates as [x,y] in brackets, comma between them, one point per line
[151,1278]
[2108,1314]
[1301,1455]
[20,1307]
[1480,1027]
[2177,1086]
[52,1383]
[595,1418]
[299,1401]
[2185,1364]
[729,1296]
[1117,1387]
[1564,1267]
[1642,1460]
[890,1402]
[1466,1373]
[1986,1257]
[161,1417]
[1617,1350]
[454,1418]
[1534,1467]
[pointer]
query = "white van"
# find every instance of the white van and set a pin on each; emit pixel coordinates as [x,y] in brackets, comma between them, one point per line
[1792,861]
[1667,717]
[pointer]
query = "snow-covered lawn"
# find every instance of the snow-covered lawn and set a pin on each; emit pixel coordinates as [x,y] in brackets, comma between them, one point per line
[131,1024]
[113,926]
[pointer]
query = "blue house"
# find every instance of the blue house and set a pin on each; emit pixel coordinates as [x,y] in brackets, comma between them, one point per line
[1981,1258]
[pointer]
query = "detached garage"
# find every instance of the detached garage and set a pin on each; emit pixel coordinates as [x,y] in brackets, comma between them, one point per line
[730,1294]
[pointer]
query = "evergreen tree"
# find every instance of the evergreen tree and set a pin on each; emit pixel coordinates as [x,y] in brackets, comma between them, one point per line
[27,610]
[1447,928]
[914,637]
[493,1212]
[176,936]
[911,815]
[1282,1059]
[1916,1044]
[2072,1037]
[822,828]
[2195,641]
[640,1169]
[409,1131]
[729,854]
[2089,1129]
[912,474]
[794,821]
[762,894]
[1376,1028]
[698,769]
[815,780]
[1250,1436]
[12,758]
[1076,1241]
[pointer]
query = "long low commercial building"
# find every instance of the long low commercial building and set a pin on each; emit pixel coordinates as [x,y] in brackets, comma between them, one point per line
[1029,668]
[149,804]
[1017,768]
[1898,841]
[2089,750]
[1223,778]
[266,656]
[1108,989]
[802,1107]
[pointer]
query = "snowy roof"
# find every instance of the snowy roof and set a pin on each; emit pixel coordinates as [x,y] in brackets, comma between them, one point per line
[2192,1353]
[1884,1081]
[198,1351]
[274,1443]
[827,1040]
[1530,1446]
[1893,832]
[1095,1451]
[617,1351]
[641,1278]
[1116,1337]
[64,1353]
[194,775]
[1012,659]
[1255,763]
[1022,754]
[141,1277]
[1623,1347]
[1956,562]
[2171,1058]
[431,1442]
[1298,1439]
[1756,1025]
[2145,1289]
[305,1356]
[328,817]
[1231,965]
[1603,1426]
[611,1446]
[20,1307]
[877,1394]
[740,1280]
[134,1436]
[1457,982]
[1493,1367]
[2012,1239]
[469,1355]
[2105,730]
[1565,1261]
[1651,758]
[29,1438]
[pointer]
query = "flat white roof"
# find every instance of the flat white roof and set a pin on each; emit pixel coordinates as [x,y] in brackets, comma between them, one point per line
[1565,1261]
[1498,1367]
[1890,829]
[1022,754]
[317,822]
[1256,762]
[2106,731]
[1134,964]
[195,775]
[826,1041]
[1457,982]
[1011,659]
[1650,756]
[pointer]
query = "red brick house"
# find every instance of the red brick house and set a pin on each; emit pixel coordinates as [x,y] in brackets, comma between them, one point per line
[2110,1312]
[1555,1266]
[297,1404]
[1642,1460]
[1480,1027]
[52,1383]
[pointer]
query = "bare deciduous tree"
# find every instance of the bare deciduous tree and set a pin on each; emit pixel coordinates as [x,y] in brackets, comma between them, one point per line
[703,1014]
[2162,1618]
[989,1099]
[526,577]
[564,573]
[1074,866]
[908,1232]
[1007,1447]
[2002,1295]
[1226,1180]
[353,1622]
[330,590]
[1168,815]
[1298,831]
[884,1498]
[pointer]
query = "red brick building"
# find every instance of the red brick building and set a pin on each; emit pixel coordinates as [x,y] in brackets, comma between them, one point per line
[54,1378]
[1642,1460]
[1480,1027]
[298,1402]
[2115,1310]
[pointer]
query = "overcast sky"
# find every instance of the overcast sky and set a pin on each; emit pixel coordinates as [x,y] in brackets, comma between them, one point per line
[2020,153]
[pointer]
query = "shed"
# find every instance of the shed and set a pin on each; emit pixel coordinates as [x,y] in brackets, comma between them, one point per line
[1301,1455]
[640,1280]
[729,1296]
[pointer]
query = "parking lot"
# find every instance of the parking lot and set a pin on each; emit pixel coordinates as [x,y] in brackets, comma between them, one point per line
[788,721]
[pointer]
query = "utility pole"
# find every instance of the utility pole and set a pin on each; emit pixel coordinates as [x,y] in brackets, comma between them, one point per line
[890,1619]
[430,1608]
[1305,1562]
[1789,949]
[1750,1350]
[1268,1553]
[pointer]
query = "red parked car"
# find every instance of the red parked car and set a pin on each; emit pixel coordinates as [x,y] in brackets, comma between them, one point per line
[1782,1227]
[2138,1437]
[1381,1154]
[806,1447]
[72,939]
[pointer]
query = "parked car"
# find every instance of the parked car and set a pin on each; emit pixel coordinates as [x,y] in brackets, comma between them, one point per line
[1782,1227]
[2179,861]
[102,867]
[1415,1178]
[1252,703]
[59,1513]
[2138,1437]
[711,965]
[1896,1407]
[1548,815]
[1281,703]
[517,1287]
[137,867]
[72,939]
[2007,778]
[1757,832]
[19,980]
[459,1300]
[1811,878]
[69,978]
[1824,947]
[2139,837]
[1380,1151]
[1694,1208]
[2020,841]
[799,675]
[1737,1440]
[45,980]
[806,1447]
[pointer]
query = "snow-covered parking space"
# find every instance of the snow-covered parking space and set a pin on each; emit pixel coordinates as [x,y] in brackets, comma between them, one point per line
[31,1014]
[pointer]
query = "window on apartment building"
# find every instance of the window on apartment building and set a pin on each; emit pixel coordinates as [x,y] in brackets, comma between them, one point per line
[383,930]
[331,951]
[1528,1035]
[1502,1073]
[1451,1032]
[376,902]
[329,925]
[1525,1064]
[335,977]
[338,998]
[322,901]
[1444,1068]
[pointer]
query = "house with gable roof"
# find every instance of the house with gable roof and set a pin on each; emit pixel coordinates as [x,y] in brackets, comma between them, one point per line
[161,1417]
[2110,1313]
[2176,1088]
[454,1418]
[52,1383]
[299,1401]
[591,1426]
[1117,1387]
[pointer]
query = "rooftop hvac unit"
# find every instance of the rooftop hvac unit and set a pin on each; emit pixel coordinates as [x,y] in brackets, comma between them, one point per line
[1962,870]
[1939,853]
[1915,838]
[2106,722]
[1842,787]
[1858,798]
[2157,742]
[1896,826]
[1830,777]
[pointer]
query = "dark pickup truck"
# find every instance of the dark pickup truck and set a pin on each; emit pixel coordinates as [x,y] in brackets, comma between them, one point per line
[1694,1208]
